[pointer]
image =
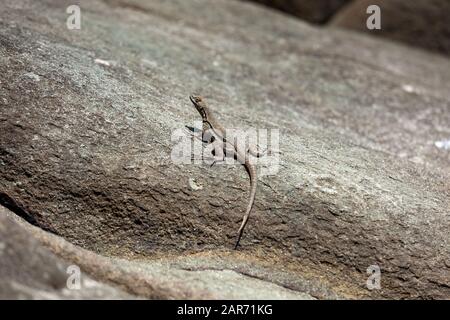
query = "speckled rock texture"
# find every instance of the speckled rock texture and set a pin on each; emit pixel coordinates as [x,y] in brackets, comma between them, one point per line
[29,270]
[87,116]
[36,264]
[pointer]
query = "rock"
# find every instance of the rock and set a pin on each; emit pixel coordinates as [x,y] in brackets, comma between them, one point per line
[421,23]
[317,11]
[85,152]
[28,270]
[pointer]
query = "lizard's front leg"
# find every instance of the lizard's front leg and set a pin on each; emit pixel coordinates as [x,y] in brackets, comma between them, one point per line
[213,153]
[255,151]
[199,135]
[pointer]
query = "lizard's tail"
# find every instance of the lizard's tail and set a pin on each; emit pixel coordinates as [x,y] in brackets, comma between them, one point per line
[252,174]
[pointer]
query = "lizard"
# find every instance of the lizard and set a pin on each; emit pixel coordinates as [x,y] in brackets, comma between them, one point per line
[230,149]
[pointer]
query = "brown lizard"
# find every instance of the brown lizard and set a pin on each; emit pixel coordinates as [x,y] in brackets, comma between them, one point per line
[230,149]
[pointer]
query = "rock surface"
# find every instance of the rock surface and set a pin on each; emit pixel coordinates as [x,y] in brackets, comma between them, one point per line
[421,23]
[28,270]
[86,119]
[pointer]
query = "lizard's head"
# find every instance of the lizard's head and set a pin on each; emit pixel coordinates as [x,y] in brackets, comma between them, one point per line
[199,105]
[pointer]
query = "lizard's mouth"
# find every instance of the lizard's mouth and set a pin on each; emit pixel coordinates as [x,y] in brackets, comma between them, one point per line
[195,99]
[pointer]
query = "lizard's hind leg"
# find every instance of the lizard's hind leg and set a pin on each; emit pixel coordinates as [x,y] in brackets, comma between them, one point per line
[255,151]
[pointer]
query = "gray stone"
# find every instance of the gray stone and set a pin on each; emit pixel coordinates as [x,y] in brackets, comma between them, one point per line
[85,151]
[36,264]
[28,270]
